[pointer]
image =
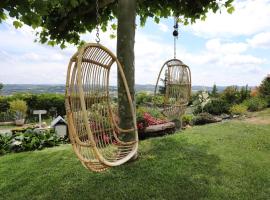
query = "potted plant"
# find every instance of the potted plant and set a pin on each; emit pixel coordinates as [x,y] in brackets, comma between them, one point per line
[19,109]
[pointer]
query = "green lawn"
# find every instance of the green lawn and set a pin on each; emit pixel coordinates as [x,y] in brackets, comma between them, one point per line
[228,160]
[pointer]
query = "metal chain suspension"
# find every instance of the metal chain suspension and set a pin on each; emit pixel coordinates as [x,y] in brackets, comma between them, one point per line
[98,21]
[175,33]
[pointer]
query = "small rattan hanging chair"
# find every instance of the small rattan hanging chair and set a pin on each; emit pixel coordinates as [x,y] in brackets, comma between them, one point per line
[176,80]
[174,95]
[93,122]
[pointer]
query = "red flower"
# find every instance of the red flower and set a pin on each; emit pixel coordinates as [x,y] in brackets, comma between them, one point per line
[140,125]
[150,120]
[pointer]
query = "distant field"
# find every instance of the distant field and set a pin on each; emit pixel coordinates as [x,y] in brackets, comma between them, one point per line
[37,89]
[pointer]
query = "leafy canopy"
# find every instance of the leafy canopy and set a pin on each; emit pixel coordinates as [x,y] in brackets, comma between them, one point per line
[63,21]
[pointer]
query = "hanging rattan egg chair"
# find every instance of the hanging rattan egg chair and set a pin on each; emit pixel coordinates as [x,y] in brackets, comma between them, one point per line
[175,92]
[172,98]
[93,122]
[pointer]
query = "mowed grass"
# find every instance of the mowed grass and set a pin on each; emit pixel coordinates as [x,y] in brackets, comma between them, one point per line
[228,160]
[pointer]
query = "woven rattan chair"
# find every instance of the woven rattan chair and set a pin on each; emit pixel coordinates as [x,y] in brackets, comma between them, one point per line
[177,88]
[92,117]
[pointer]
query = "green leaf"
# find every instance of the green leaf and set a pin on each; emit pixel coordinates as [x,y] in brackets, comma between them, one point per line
[62,45]
[74,3]
[3,16]
[156,19]
[114,26]
[17,24]
[82,42]
[112,36]
[186,22]
[203,18]
[103,28]
[51,43]
[230,10]
[228,3]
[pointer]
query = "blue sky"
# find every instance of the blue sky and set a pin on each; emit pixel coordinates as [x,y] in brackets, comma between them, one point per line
[225,49]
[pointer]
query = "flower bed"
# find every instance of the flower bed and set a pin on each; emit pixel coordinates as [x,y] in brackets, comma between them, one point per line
[151,123]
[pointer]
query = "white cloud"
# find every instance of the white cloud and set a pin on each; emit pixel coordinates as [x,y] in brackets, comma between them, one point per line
[261,40]
[215,45]
[224,54]
[209,75]
[35,63]
[250,17]
[242,60]
[222,60]
[163,27]
[225,63]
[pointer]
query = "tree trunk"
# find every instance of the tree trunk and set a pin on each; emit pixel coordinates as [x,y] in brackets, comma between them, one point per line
[125,53]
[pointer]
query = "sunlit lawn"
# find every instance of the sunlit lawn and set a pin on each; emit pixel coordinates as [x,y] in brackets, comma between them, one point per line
[228,160]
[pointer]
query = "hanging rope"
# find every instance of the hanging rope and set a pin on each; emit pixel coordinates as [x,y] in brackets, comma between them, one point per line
[175,33]
[98,21]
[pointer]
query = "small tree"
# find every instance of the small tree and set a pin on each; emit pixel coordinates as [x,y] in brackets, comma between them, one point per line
[244,93]
[214,92]
[201,100]
[1,87]
[254,92]
[264,89]
[231,95]
[19,108]
[162,88]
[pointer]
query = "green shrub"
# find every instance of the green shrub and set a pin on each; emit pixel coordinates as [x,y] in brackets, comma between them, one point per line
[231,95]
[200,99]
[244,93]
[53,103]
[216,107]
[152,111]
[28,141]
[139,113]
[6,116]
[197,109]
[158,100]
[155,113]
[192,98]
[238,109]
[4,105]
[142,98]
[187,119]
[255,104]
[19,108]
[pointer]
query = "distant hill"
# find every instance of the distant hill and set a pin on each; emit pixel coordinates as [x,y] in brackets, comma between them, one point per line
[60,89]
[32,88]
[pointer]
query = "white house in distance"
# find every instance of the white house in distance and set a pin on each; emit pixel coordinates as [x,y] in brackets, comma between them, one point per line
[60,126]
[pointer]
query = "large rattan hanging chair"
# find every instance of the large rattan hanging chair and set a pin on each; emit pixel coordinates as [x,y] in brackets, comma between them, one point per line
[175,80]
[93,121]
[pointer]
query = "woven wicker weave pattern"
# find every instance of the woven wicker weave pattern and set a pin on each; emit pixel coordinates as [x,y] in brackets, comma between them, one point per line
[177,88]
[92,116]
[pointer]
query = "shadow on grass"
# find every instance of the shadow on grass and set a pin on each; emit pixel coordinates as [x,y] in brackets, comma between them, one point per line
[167,168]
